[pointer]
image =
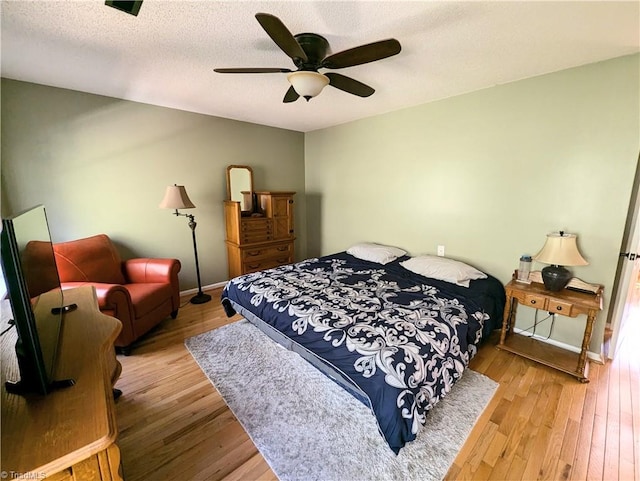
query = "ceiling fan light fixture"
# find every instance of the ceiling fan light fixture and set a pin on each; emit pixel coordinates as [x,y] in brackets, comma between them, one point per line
[308,84]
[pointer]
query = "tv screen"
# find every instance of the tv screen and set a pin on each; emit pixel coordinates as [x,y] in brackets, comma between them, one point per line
[31,277]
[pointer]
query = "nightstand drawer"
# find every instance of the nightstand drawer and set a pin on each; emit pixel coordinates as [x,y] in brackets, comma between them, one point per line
[534,300]
[559,307]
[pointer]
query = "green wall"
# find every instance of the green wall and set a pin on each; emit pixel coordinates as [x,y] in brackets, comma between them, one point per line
[101,165]
[488,174]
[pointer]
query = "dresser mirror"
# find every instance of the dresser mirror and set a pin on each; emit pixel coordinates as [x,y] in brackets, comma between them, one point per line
[240,186]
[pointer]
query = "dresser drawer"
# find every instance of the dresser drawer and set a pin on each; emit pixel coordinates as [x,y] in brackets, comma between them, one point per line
[534,300]
[555,306]
[256,230]
[256,224]
[281,251]
[260,265]
[252,237]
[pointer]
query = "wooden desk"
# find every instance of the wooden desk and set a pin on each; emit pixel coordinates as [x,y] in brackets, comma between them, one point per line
[70,433]
[566,303]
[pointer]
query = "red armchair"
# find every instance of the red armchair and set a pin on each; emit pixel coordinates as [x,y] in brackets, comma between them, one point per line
[139,292]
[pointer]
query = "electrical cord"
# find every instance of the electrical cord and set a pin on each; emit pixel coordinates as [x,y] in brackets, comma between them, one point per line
[535,324]
[11,324]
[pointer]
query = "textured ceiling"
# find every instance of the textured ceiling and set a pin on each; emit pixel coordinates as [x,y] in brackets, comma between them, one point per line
[166,55]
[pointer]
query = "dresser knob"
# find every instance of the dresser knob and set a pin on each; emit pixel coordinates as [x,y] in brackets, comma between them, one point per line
[559,308]
[533,302]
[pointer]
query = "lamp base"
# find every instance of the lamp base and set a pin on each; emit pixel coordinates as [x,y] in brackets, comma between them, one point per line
[200,298]
[555,278]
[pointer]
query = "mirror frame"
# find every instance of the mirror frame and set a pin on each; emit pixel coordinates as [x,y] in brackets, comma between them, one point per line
[229,186]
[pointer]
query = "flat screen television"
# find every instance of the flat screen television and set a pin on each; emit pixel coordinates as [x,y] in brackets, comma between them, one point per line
[31,277]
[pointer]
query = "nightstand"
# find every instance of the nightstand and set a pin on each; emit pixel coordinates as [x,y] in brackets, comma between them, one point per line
[567,303]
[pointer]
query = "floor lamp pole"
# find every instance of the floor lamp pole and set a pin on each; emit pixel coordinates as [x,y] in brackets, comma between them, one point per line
[200,297]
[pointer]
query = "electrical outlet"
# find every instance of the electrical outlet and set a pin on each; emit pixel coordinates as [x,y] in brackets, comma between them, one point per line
[441,251]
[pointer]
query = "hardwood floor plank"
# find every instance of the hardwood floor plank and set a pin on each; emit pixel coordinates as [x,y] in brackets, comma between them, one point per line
[502,464]
[253,468]
[567,450]
[599,435]
[494,450]
[634,373]
[475,436]
[581,460]
[626,421]
[525,382]
[516,469]
[516,369]
[533,468]
[549,465]
[612,435]
[478,452]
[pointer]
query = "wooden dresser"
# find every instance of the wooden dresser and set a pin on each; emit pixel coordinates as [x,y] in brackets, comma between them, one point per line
[263,239]
[70,433]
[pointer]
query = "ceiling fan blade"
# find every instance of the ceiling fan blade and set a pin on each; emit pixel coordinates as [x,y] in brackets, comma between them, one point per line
[281,36]
[349,85]
[291,95]
[251,70]
[363,54]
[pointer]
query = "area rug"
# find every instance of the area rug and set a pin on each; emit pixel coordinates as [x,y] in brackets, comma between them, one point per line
[309,428]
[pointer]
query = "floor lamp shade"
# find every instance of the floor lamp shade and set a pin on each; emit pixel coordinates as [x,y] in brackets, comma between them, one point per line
[559,250]
[175,197]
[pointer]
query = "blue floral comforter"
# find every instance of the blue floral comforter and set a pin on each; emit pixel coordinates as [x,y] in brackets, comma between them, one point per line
[401,338]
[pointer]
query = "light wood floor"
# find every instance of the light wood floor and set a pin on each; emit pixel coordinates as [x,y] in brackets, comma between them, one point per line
[541,424]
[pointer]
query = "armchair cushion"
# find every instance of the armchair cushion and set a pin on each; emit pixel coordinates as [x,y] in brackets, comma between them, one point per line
[94,259]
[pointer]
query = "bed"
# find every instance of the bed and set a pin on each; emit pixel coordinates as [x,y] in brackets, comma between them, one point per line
[396,340]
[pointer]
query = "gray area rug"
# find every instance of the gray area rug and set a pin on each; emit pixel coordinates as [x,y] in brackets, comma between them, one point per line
[309,428]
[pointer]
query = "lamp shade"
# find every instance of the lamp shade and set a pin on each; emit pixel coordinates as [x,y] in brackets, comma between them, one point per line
[308,84]
[560,249]
[175,197]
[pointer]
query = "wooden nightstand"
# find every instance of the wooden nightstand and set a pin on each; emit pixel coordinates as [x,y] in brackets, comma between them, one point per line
[566,303]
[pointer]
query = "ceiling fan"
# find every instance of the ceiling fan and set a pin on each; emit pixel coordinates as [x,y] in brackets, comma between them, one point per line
[309,54]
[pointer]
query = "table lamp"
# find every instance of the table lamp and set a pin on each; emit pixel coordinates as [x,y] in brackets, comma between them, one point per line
[559,250]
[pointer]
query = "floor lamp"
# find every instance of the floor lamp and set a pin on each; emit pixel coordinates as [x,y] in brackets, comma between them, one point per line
[175,197]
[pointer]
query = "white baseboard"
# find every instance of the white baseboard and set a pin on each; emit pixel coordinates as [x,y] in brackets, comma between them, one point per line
[593,356]
[204,288]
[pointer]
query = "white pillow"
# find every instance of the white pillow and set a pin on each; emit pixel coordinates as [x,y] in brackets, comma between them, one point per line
[443,269]
[375,252]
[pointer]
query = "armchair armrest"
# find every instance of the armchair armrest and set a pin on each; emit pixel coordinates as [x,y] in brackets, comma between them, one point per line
[151,270]
[114,300]
[112,297]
